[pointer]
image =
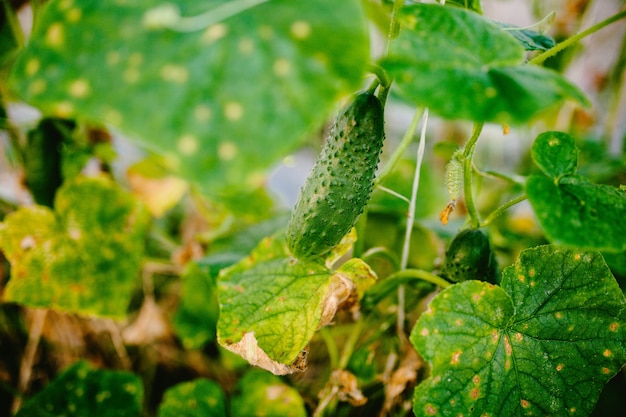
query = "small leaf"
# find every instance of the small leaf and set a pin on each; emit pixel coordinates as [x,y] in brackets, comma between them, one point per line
[545,343]
[473,5]
[263,394]
[271,305]
[578,213]
[463,66]
[221,100]
[199,398]
[83,391]
[84,257]
[555,153]
[530,39]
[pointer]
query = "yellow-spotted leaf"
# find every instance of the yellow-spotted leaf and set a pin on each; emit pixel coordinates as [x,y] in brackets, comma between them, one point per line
[220,88]
[82,391]
[544,343]
[199,398]
[271,304]
[84,257]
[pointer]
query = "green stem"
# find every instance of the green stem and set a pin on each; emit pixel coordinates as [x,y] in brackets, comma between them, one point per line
[383,253]
[381,74]
[500,210]
[393,24]
[331,346]
[423,275]
[349,345]
[573,39]
[357,248]
[468,154]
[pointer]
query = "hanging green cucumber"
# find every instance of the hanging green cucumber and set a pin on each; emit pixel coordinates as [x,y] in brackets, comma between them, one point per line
[339,185]
[470,256]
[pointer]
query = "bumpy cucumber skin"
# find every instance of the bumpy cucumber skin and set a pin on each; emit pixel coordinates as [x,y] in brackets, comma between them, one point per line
[470,257]
[339,185]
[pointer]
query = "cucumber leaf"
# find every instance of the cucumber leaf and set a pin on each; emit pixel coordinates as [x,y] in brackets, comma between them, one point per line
[530,39]
[219,90]
[84,257]
[83,391]
[572,210]
[271,304]
[468,4]
[261,394]
[463,66]
[544,343]
[578,213]
[199,398]
[555,153]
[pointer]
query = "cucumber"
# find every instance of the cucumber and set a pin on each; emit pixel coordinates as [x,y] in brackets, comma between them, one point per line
[470,257]
[339,185]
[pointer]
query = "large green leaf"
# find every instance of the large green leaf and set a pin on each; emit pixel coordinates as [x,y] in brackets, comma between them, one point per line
[462,66]
[199,398]
[578,213]
[83,391]
[543,344]
[572,210]
[84,257]
[222,92]
[271,304]
[262,394]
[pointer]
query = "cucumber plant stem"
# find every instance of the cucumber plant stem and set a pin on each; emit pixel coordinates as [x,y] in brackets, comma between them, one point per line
[468,154]
[421,274]
[575,38]
[497,212]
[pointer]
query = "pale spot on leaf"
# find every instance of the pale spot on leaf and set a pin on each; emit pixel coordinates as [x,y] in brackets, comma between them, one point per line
[281,67]
[32,66]
[114,117]
[55,36]
[131,75]
[37,87]
[301,29]
[227,151]
[266,32]
[79,88]
[245,46]
[607,353]
[174,73]
[214,33]
[63,109]
[187,144]
[430,410]
[74,15]
[113,58]
[135,59]
[233,111]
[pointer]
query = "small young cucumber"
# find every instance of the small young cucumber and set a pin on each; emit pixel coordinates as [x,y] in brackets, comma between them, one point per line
[470,256]
[339,185]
